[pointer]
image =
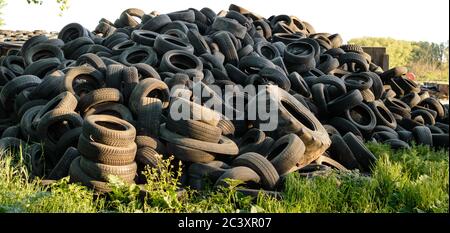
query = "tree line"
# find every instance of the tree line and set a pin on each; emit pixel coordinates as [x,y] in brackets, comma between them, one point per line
[428,60]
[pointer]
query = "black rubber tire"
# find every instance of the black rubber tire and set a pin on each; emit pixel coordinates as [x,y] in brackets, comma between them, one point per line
[154,143]
[409,124]
[440,140]
[363,155]
[252,64]
[15,86]
[198,42]
[224,146]
[45,126]
[360,63]
[327,63]
[211,171]
[362,111]
[194,129]
[340,152]
[42,67]
[108,130]
[299,56]
[242,173]
[65,100]
[180,61]
[227,47]
[42,51]
[384,116]
[345,102]
[12,131]
[442,126]
[92,60]
[326,160]
[406,136]
[99,171]
[427,116]
[344,126]
[87,73]
[331,130]
[99,96]
[267,172]
[146,71]
[144,37]
[435,130]
[156,23]
[113,109]
[360,81]
[379,128]
[368,95]
[318,94]
[165,43]
[12,144]
[286,152]
[149,116]
[189,154]
[138,54]
[422,135]
[294,117]
[109,155]
[299,85]
[68,139]
[146,156]
[397,144]
[71,32]
[197,111]
[407,85]
[412,99]
[78,176]
[152,88]
[61,169]
[276,76]
[377,86]
[229,25]
[433,104]
[382,136]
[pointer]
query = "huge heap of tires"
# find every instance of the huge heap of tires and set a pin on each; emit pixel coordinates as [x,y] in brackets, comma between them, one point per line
[19,36]
[93,104]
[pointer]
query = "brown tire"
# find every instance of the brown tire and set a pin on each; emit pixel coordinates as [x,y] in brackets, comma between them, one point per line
[109,130]
[101,172]
[99,96]
[109,155]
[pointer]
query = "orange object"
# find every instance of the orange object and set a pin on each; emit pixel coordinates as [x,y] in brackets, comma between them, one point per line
[411,76]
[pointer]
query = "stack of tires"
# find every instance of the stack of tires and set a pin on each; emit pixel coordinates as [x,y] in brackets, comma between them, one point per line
[107,147]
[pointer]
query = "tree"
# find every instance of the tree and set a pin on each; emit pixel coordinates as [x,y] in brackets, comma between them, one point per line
[2,4]
[428,60]
[63,4]
[399,51]
[430,53]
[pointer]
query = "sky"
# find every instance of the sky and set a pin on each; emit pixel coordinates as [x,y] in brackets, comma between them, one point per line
[415,20]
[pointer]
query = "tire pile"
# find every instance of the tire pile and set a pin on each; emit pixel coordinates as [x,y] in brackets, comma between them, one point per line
[99,102]
[22,36]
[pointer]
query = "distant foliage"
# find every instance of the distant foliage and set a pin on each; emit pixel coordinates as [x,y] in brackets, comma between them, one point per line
[2,4]
[428,60]
[400,51]
[63,4]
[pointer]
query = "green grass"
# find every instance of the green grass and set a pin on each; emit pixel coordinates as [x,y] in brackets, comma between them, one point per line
[414,180]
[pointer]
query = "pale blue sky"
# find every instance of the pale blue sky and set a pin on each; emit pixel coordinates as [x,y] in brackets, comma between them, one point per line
[401,19]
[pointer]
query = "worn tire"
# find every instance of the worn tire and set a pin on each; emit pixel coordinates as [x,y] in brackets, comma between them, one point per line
[109,155]
[286,153]
[262,166]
